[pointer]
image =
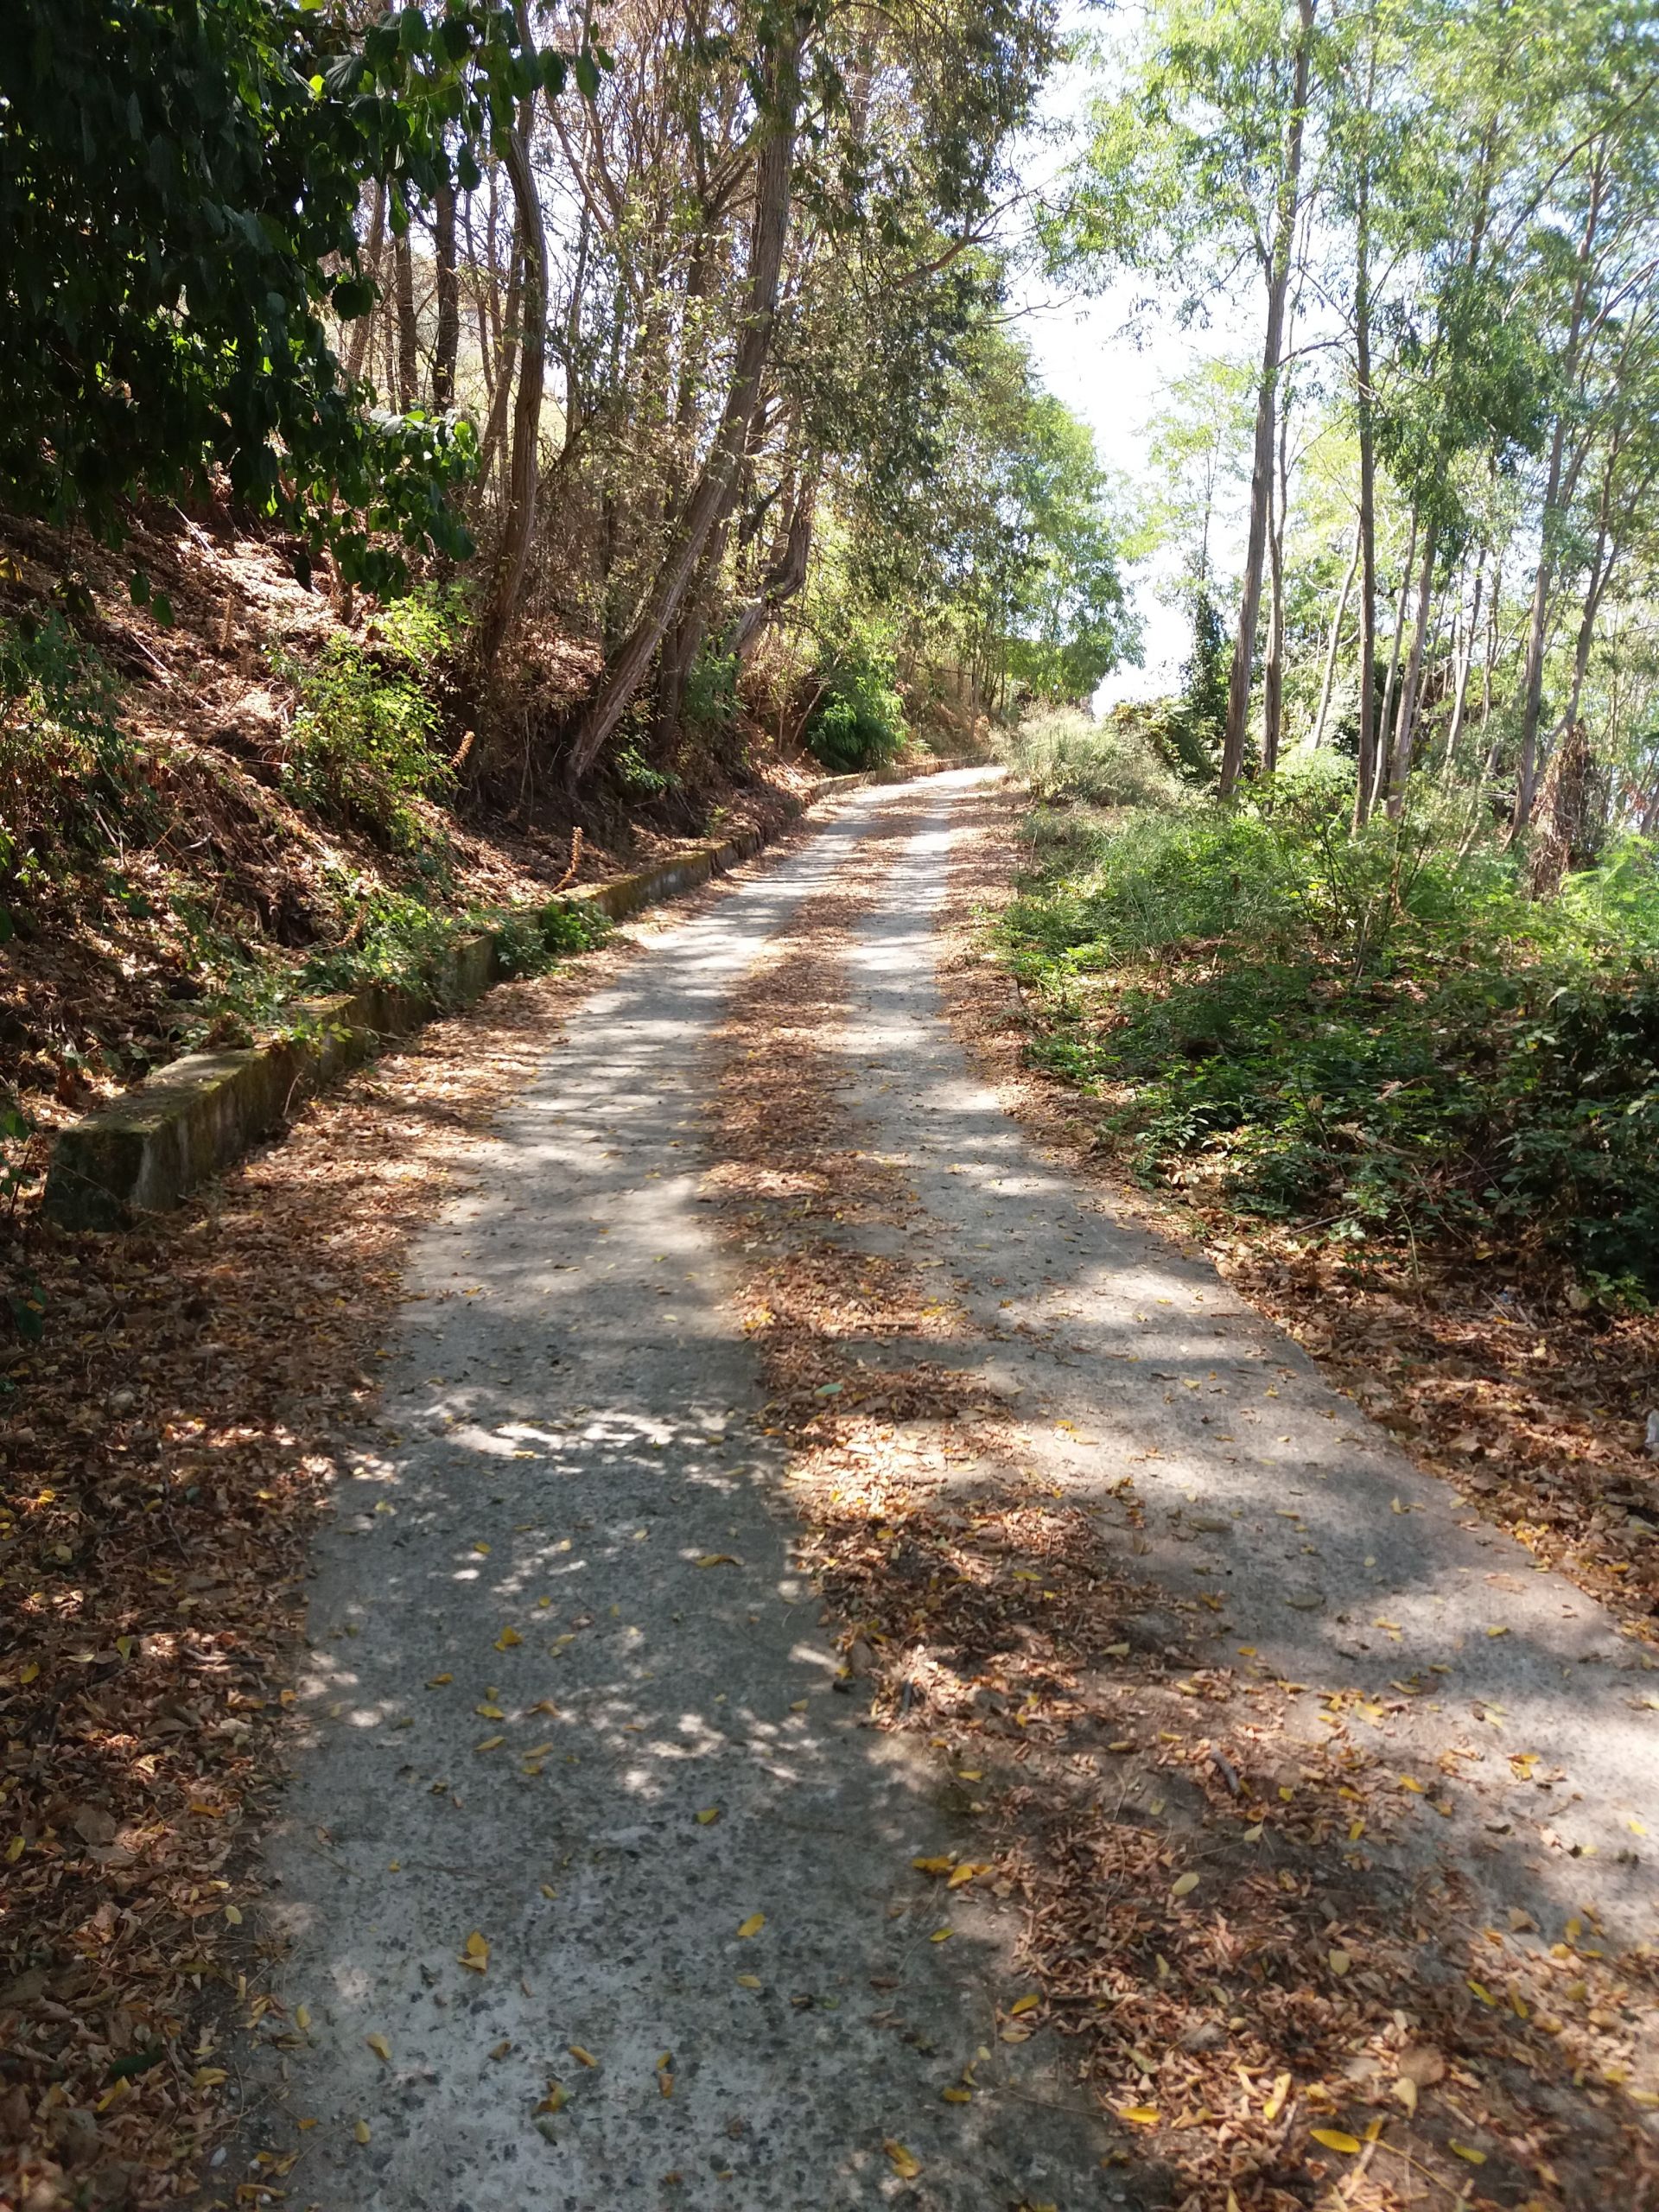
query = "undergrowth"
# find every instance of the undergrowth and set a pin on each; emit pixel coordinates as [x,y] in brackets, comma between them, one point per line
[1376,1039]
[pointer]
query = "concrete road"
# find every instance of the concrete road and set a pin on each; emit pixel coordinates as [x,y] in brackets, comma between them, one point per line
[599,1895]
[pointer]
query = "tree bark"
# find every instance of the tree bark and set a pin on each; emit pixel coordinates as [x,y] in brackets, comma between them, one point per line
[1466,664]
[446,344]
[1406,722]
[782,581]
[711,497]
[1329,682]
[363,327]
[1532,699]
[1364,403]
[1390,680]
[1238,689]
[409,355]
[519,525]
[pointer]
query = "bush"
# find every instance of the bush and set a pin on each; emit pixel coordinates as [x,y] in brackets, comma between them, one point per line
[64,758]
[1370,1037]
[858,720]
[1062,754]
[362,743]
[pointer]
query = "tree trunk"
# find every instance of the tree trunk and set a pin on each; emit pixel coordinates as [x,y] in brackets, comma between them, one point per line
[1532,700]
[1238,689]
[1365,410]
[519,526]
[446,344]
[782,581]
[496,427]
[363,327]
[1329,682]
[1392,678]
[1273,673]
[1405,725]
[711,497]
[409,355]
[1467,662]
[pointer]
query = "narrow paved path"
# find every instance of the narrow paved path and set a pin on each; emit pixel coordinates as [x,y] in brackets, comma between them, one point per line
[584,1823]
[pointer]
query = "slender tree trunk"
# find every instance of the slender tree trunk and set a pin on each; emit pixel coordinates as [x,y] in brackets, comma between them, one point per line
[1405,722]
[1238,689]
[782,581]
[711,497]
[1464,667]
[409,354]
[495,428]
[1328,685]
[1365,404]
[446,344]
[363,327]
[1273,672]
[519,525]
[1392,678]
[1532,696]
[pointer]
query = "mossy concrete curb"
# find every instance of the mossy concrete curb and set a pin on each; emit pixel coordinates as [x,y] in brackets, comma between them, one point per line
[142,1150]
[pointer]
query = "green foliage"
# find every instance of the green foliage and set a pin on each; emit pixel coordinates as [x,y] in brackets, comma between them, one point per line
[858,720]
[363,741]
[1063,756]
[1371,1038]
[1192,729]
[63,756]
[178,188]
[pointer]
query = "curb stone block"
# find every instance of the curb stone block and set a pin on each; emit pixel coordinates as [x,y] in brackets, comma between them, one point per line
[140,1153]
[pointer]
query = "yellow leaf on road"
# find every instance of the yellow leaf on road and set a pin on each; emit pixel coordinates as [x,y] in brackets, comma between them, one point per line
[1027,2003]
[710,1813]
[361,2130]
[715,1559]
[752,1925]
[1276,2103]
[965,1873]
[1142,2115]
[1466,2151]
[1340,1961]
[904,2163]
[582,2057]
[437,1682]
[1334,2140]
[379,2046]
[475,1952]
[954,2096]
[1184,1886]
[932,1865]
[507,1638]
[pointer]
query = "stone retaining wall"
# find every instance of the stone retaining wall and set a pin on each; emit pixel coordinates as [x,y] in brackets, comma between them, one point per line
[142,1152]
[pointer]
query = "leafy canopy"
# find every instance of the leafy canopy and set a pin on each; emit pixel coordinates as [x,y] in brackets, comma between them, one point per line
[180,182]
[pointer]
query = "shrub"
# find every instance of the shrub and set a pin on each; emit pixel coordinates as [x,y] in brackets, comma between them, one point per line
[1062,754]
[362,743]
[1373,1038]
[859,720]
[64,757]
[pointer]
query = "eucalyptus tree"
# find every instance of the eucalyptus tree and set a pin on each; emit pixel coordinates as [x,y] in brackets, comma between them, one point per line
[1198,167]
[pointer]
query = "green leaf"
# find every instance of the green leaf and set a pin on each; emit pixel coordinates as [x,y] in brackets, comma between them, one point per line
[586,73]
[553,73]
[353,296]
[161,607]
[138,589]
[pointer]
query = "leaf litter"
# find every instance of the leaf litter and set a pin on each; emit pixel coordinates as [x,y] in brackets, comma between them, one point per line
[1268,2017]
